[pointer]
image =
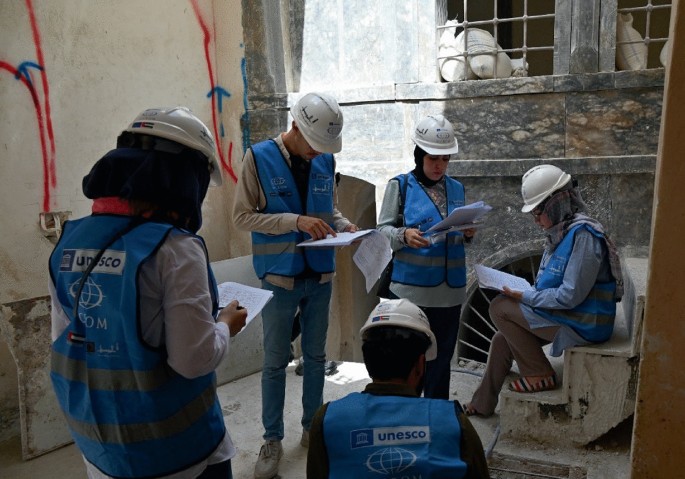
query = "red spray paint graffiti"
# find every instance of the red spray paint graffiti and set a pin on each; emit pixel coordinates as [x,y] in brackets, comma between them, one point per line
[43,116]
[215,93]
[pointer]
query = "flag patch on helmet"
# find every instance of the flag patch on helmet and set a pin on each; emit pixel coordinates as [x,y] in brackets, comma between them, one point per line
[380,318]
[143,124]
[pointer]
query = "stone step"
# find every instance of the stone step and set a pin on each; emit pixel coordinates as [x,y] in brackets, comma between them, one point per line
[599,381]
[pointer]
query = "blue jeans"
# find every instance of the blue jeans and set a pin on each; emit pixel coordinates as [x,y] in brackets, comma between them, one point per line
[313,300]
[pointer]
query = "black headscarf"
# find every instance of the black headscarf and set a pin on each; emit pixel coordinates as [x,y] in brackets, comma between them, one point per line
[418,170]
[173,182]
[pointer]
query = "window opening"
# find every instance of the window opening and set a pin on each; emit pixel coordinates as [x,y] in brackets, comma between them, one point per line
[496,39]
[642,33]
[502,38]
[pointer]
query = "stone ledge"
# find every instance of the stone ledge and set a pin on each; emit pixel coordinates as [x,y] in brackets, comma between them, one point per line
[595,165]
[415,92]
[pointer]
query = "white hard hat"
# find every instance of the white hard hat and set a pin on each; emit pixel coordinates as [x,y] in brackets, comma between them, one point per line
[435,135]
[539,183]
[320,120]
[179,124]
[401,313]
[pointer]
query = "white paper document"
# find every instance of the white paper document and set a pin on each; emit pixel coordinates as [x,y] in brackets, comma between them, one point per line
[343,239]
[494,279]
[461,218]
[372,256]
[252,299]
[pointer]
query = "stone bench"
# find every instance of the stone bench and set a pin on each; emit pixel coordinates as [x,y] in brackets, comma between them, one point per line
[599,381]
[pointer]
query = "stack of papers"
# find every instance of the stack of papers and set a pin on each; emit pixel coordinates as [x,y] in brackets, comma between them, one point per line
[372,256]
[342,239]
[461,218]
[252,299]
[490,278]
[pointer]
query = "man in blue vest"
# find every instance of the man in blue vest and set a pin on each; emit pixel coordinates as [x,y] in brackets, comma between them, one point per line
[287,194]
[389,430]
[135,323]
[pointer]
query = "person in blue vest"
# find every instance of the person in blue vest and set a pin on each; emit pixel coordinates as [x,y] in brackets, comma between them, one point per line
[388,430]
[287,194]
[136,328]
[574,300]
[429,271]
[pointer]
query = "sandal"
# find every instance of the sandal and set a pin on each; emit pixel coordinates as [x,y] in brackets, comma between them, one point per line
[469,410]
[522,385]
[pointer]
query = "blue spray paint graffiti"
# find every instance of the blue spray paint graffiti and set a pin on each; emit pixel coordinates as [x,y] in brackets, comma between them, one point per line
[245,118]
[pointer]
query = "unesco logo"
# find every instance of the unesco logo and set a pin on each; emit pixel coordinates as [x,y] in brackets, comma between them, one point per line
[391,460]
[91,295]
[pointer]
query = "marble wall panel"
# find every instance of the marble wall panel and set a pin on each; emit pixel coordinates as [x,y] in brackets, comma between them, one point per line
[524,126]
[631,195]
[613,122]
[617,192]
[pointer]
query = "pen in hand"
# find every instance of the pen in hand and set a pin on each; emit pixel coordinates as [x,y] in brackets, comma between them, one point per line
[234,316]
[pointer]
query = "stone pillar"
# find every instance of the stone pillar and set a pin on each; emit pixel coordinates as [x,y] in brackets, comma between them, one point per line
[585,36]
[658,446]
[350,303]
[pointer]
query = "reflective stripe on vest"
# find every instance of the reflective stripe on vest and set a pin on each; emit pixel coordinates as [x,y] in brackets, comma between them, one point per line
[439,262]
[370,436]
[129,413]
[278,254]
[593,319]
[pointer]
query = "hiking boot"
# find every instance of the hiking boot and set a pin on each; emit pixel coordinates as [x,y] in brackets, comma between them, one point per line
[304,442]
[267,462]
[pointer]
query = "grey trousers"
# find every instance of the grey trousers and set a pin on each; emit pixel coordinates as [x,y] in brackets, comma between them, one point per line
[513,341]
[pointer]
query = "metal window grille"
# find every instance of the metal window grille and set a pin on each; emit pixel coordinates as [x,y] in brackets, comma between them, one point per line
[510,25]
[545,37]
[650,18]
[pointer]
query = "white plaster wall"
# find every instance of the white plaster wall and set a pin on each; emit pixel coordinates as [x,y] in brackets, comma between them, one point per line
[103,62]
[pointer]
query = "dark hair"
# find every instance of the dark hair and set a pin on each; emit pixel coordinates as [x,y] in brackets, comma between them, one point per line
[391,352]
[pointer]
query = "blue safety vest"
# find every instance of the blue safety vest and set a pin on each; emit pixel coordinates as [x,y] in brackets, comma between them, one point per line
[278,254]
[439,262]
[369,436]
[593,319]
[130,414]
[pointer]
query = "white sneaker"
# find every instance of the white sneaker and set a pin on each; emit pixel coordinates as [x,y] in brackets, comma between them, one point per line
[304,442]
[267,462]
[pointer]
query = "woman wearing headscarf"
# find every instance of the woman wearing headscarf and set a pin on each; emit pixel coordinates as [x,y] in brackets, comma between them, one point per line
[574,300]
[430,272]
[136,328]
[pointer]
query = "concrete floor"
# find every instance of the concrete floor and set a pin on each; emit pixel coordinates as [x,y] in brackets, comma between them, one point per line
[607,458]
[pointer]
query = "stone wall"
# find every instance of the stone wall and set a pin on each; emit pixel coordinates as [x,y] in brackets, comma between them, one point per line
[603,128]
